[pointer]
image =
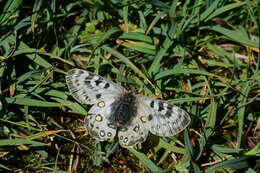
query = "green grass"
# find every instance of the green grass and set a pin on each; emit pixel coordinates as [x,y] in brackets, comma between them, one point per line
[200,55]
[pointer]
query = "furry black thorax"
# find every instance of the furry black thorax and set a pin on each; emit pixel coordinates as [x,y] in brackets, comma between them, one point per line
[123,109]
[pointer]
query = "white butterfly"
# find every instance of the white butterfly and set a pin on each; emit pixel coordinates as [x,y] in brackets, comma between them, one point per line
[118,111]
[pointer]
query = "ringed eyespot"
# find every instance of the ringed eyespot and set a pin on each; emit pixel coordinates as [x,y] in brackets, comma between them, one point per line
[125,140]
[102,133]
[98,118]
[143,119]
[101,104]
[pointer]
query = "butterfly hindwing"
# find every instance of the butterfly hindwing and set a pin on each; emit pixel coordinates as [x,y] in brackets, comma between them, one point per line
[98,122]
[89,88]
[132,134]
[161,118]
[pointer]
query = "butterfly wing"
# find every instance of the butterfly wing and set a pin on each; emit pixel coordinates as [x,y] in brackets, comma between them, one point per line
[98,123]
[132,134]
[161,118]
[89,88]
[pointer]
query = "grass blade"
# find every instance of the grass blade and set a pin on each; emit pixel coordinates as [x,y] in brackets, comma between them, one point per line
[237,163]
[147,162]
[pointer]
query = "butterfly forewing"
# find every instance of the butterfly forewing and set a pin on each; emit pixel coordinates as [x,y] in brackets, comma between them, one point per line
[89,88]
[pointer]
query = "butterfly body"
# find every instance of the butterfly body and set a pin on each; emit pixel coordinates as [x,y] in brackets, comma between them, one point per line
[118,112]
[123,109]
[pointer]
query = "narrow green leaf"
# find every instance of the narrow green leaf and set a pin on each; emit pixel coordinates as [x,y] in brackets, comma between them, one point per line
[125,17]
[137,36]
[147,162]
[224,9]
[127,62]
[208,11]
[196,167]
[155,20]
[15,142]
[234,35]
[31,102]
[171,147]
[222,149]
[254,151]
[36,9]
[9,10]
[237,163]
[188,144]
[4,167]
[56,93]
[212,114]
[74,106]
[32,55]
[107,35]
[177,71]
[188,99]
[241,112]
[140,46]
[155,66]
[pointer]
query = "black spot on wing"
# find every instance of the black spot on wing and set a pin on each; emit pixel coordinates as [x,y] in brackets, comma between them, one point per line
[169,111]
[98,96]
[160,106]
[71,72]
[74,92]
[106,85]
[152,104]
[80,72]
[150,117]
[88,78]
[88,84]
[98,82]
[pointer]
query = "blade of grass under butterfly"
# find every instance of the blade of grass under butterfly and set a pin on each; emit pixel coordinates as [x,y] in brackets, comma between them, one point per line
[147,162]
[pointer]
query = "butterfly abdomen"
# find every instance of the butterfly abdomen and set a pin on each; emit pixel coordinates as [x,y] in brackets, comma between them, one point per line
[123,109]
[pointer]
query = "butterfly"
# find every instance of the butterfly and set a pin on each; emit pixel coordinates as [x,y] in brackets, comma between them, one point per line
[116,111]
